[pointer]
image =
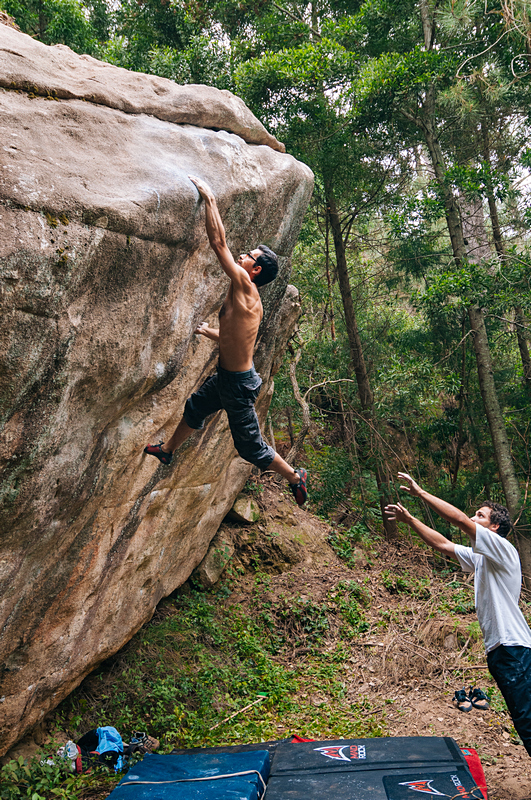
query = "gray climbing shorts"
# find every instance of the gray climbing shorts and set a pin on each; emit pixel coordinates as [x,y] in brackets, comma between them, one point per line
[236,393]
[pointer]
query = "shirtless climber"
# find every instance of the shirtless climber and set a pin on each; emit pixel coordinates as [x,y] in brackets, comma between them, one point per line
[235,384]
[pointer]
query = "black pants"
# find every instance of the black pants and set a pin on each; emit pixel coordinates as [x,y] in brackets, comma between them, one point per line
[511,669]
[236,393]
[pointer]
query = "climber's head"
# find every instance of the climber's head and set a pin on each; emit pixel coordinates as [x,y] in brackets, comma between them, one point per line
[268,261]
[260,264]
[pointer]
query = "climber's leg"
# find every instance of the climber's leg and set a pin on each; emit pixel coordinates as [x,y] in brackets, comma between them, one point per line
[247,437]
[238,391]
[181,433]
[199,406]
[202,404]
[283,468]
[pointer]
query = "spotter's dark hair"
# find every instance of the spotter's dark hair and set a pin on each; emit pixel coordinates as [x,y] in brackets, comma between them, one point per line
[500,516]
[269,263]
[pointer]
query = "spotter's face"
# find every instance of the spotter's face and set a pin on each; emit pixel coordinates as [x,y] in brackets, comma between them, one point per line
[482,517]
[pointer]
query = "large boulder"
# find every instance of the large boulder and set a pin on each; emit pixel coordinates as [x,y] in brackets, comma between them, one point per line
[105,270]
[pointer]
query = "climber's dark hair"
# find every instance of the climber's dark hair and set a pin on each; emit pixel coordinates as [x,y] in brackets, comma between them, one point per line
[499,516]
[269,263]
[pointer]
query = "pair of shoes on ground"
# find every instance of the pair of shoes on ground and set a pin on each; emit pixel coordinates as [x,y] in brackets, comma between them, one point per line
[141,743]
[298,490]
[476,698]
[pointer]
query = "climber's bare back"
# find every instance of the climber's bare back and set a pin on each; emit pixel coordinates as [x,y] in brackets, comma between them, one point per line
[239,319]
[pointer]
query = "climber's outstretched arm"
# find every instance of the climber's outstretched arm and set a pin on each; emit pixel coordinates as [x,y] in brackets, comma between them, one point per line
[216,234]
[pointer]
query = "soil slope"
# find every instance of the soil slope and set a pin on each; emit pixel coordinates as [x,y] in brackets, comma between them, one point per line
[376,643]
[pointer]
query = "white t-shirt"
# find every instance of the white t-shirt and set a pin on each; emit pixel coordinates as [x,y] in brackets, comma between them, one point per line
[498,581]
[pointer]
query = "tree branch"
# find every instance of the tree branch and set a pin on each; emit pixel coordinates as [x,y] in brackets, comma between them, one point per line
[511,322]
[297,19]
[293,454]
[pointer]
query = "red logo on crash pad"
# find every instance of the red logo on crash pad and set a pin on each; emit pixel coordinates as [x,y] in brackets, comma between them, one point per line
[336,753]
[339,753]
[423,786]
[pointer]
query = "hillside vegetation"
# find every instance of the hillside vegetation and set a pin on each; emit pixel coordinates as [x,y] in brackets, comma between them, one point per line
[347,635]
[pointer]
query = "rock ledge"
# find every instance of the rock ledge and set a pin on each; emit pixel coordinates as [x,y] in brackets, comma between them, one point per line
[58,72]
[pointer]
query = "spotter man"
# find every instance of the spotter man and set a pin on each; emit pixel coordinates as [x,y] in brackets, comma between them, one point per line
[497,584]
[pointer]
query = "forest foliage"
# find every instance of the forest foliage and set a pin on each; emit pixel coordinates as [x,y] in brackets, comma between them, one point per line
[413,263]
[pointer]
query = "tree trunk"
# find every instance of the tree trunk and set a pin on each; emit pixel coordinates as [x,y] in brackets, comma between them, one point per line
[42,21]
[329,280]
[290,427]
[271,433]
[521,321]
[451,207]
[523,345]
[427,23]
[343,422]
[477,249]
[461,435]
[502,450]
[491,404]
[356,352]
[356,349]
[474,231]
[493,210]
[296,448]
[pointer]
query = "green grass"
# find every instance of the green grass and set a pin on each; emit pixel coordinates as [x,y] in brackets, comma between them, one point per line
[206,658]
[45,781]
[200,660]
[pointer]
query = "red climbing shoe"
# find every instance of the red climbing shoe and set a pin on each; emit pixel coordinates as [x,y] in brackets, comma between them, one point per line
[157,451]
[298,490]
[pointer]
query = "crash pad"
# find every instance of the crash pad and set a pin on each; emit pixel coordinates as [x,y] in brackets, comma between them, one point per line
[196,776]
[395,768]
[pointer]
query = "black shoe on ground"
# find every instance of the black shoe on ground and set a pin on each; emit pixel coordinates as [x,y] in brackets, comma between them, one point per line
[298,490]
[479,699]
[461,700]
[157,451]
[141,743]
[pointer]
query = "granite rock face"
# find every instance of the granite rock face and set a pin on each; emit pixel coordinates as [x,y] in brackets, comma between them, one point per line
[105,270]
[57,72]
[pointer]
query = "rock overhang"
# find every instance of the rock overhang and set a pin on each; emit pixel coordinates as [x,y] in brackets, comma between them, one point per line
[58,73]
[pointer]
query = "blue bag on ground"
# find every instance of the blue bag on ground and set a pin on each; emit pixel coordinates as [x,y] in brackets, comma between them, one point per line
[109,739]
[196,776]
[102,746]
